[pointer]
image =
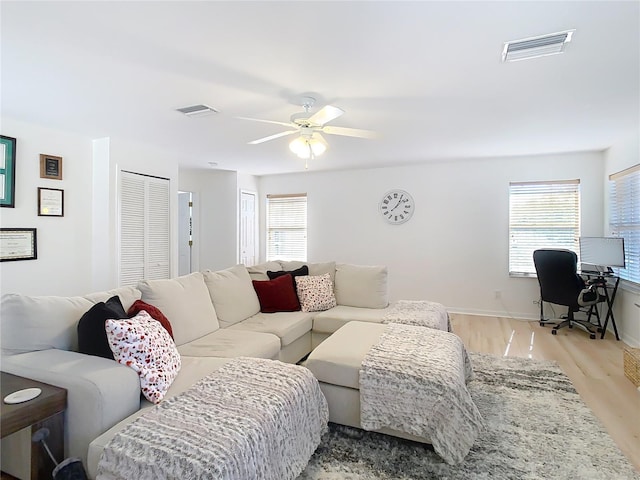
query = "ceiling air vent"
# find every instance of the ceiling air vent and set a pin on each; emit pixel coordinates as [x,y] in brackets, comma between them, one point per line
[536,46]
[197,110]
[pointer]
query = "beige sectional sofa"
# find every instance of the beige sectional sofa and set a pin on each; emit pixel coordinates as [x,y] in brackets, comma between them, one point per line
[214,316]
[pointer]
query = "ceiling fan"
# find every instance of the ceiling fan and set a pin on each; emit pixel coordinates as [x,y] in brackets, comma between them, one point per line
[310,142]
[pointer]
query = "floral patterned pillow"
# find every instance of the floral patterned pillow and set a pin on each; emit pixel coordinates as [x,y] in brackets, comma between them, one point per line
[315,292]
[143,344]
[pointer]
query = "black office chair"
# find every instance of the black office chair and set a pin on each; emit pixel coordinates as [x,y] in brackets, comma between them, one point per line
[560,284]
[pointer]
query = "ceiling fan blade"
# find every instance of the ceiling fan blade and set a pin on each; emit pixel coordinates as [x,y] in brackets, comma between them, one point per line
[349,132]
[267,121]
[272,137]
[325,115]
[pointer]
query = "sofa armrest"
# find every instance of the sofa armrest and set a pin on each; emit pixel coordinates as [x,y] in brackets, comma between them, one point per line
[100,392]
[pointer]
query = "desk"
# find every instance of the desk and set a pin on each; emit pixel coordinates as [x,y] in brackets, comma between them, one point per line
[46,410]
[606,284]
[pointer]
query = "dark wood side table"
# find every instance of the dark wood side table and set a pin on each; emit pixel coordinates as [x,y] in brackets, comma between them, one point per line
[46,410]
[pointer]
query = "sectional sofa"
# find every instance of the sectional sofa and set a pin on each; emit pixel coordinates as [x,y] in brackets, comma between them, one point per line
[214,316]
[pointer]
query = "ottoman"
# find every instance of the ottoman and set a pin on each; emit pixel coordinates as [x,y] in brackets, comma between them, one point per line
[408,381]
[336,364]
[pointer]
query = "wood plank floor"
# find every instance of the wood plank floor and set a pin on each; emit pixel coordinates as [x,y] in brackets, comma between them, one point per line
[594,367]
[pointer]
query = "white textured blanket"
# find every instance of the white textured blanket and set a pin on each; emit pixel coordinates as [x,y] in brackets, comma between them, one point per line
[252,419]
[414,381]
[420,313]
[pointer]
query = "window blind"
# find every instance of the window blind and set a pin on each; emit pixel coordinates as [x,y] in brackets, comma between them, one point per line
[287,227]
[542,215]
[624,218]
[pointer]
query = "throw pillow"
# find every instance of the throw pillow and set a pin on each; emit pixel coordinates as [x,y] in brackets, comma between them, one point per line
[143,344]
[303,270]
[92,338]
[154,312]
[315,292]
[277,295]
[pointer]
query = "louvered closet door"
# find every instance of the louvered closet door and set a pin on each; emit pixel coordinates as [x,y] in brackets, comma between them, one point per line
[144,228]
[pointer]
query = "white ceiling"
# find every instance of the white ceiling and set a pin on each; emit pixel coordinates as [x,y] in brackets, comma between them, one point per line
[426,75]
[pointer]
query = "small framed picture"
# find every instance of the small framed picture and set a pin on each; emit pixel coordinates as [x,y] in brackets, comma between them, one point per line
[18,244]
[50,167]
[50,202]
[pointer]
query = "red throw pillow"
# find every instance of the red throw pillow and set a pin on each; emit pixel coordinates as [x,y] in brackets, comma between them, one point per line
[277,295]
[154,312]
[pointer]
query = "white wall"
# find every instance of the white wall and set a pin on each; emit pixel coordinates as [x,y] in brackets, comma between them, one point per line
[77,253]
[622,155]
[455,248]
[215,214]
[64,243]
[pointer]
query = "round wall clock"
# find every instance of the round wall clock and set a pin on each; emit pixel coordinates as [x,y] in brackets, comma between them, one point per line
[396,206]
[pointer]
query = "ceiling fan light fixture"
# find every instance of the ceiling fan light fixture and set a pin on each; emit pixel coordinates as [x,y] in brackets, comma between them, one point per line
[304,147]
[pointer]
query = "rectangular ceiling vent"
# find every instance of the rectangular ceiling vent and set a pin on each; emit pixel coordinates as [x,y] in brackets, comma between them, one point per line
[533,47]
[197,110]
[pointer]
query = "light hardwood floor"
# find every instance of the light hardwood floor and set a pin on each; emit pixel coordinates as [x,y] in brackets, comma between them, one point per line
[594,367]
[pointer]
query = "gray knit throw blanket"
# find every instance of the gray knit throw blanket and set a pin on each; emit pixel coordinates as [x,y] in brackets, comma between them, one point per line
[414,381]
[253,418]
[420,313]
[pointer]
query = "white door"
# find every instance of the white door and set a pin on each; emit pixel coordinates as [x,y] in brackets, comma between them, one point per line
[248,228]
[185,223]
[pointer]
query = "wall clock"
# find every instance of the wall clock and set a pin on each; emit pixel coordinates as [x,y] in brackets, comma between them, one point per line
[396,206]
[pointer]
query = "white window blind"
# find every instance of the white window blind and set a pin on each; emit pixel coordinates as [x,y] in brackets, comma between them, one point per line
[144,228]
[542,215]
[287,227]
[624,218]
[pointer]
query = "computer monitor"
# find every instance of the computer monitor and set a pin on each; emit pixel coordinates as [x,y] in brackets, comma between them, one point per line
[601,252]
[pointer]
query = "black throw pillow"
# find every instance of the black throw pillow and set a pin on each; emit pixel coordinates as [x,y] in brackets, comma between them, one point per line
[298,272]
[92,337]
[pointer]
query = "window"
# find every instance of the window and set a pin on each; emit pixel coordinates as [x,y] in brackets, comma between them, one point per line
[144,228]
[287,227]
[624,218]
[542,215]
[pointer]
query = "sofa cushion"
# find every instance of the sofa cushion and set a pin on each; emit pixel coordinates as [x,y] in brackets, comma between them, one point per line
[278,295]
[315,292]
[315,269]
[259,272]
[361,286]
[153,311]
[230,343]
[288,326]
[127,295]
[232,294]
[92,337]
[185,302]
[143,344]
[331,320]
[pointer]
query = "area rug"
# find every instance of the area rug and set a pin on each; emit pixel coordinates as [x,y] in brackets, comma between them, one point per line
[537,427]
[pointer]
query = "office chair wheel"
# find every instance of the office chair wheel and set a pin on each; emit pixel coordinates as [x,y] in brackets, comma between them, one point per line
[592,336]
[554,332]
[542,323]
[570,326]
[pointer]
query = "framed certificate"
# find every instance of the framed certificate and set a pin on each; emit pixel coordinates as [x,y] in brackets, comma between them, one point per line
[50,167]
[18,244]
[50,202]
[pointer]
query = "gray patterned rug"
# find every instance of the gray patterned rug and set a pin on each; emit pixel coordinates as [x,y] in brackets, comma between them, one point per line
[538,427]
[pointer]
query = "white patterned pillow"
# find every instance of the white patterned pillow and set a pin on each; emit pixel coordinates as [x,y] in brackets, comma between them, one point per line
[315,292]
[143,344]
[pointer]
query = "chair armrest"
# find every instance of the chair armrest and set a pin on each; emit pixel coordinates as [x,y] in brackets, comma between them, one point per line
[100,392]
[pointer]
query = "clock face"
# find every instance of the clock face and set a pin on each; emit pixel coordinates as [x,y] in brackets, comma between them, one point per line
[396,206]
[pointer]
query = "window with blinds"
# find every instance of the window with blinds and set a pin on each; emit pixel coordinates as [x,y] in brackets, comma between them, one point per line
[541,215]
[624,218]
[287,227]
[144,228]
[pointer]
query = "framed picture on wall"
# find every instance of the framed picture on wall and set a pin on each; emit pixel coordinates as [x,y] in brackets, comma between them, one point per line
[7,171]
[50,167]
[18,244]
[50,202]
